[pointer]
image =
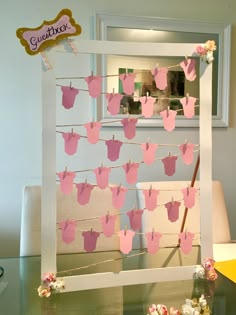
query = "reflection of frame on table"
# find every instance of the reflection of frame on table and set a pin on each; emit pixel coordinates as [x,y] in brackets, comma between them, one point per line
[145,85]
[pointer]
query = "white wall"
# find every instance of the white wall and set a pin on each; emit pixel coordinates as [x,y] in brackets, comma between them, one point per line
[20,90]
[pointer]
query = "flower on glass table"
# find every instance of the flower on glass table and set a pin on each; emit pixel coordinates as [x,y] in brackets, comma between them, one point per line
[50,284]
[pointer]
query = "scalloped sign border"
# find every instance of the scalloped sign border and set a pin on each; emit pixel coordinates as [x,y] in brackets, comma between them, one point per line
[49,33]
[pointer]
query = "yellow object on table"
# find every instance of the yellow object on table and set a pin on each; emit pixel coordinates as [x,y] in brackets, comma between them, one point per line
[227,268]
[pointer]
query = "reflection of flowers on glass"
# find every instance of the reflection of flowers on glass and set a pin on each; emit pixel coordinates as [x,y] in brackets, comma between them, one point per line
[206,50]
[190,307]
[50,284]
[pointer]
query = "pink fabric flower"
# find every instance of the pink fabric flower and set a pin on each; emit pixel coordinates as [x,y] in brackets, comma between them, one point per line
[200,50]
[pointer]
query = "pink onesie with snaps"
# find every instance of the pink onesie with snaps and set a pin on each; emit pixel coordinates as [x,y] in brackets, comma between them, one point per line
[189,195]
[186,239]
[127,80]
[68,229]
[153,241]
[113,103]
[70,142]
[189,69]
[187,150]
[150,196]
[168,117]
[135,219]
[188,104]
[94,85]
[173,210]
[126,240]
[118,196]
[66,181]
[108,224]
[102,176]
[129,126]
[90,240]
[160,76]
[131,172]
[83,192]
[113,149]
[149,150]
[147,105]
[93,130]
[68,96]
[169,163]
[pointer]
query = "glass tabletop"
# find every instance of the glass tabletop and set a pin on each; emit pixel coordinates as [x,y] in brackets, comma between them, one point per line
[18,291]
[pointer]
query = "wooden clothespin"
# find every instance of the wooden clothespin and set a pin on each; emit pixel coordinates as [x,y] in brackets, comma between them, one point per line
[113,91]
[118,190]
[70,84]
[167,111]
[107,216]
[153,233]
[187,97]
[126,228]
[150,190]
[113,137]
[91,230]
[65,172]
[147,143]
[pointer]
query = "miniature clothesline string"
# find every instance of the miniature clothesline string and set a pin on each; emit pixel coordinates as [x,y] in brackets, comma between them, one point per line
[136,143]
[112,260]
[115,75]
[123,212]
[119,166]
[116,120]
[134,96]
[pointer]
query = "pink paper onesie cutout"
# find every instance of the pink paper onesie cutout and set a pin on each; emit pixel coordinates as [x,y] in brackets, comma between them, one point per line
[188,104]
[93,130]
[189,69]
[168,117]
[153,241]
[129,126]
[186,239]
[83,192]
[108,224]
[70,142]
[189,195]
[90,240]
[94,85]
[187,150]
[102,176]
[68,228]
[173,210]
[160,76]
[113,103]
[150,196]
[126,240]
[147,105]
[66,181]
[113,149]
[127,80]
[131,172]
[118,196]
[135,219]
[169,164]
[68,96]
[149,150]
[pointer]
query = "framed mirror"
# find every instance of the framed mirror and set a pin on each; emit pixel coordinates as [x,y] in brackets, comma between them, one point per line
[161,30]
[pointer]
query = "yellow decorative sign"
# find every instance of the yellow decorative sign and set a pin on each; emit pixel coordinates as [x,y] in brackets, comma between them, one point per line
[49,33]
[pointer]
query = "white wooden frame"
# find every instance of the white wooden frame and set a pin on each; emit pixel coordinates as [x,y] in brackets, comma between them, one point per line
[222,30]
[102,280]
